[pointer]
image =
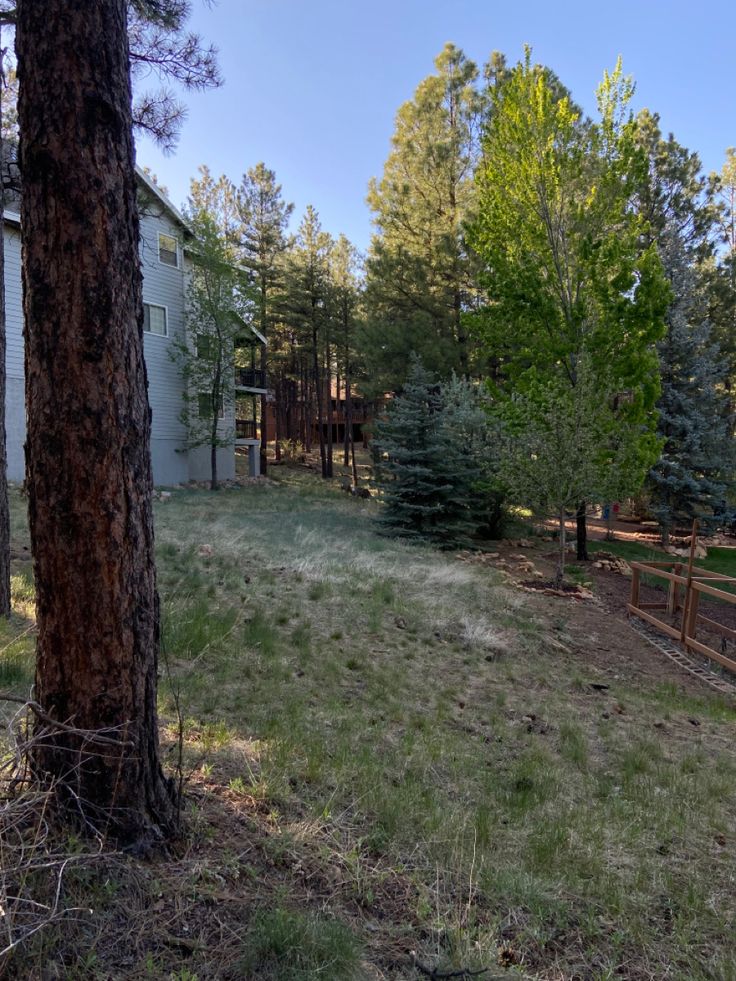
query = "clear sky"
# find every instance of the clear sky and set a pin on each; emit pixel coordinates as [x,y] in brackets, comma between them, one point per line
[312,86]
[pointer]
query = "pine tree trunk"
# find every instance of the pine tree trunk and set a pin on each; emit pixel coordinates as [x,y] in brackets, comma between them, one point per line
[348,419]
[4,508]
[278,418]
[88,447]
[582,533]
[330,418]
[320,403]
[560,574]
[264,409]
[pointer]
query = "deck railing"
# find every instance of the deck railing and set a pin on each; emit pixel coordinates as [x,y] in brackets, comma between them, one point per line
[246,429]
[250,378]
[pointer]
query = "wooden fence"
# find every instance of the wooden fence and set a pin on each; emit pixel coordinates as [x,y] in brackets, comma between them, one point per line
[686,585]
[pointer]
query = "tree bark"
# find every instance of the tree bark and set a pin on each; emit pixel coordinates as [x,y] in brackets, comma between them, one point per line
[560,574]
[4,508]
[582,533]
[88,447]
[329,472]
[264,410]
[348,419]
[320,402]
[278,418]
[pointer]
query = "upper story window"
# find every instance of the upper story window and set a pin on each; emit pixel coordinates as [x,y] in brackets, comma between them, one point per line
[155,319]
[168,250]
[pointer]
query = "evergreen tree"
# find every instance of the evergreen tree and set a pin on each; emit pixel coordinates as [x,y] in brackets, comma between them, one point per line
[306,310]
[685,221]
[264,217]
[420,275]
[431,452]
[345,299]
[695,465]
[88,449]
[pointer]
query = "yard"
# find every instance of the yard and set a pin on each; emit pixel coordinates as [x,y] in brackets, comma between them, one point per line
[396,761]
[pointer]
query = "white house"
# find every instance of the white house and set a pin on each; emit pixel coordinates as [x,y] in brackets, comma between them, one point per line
[164,236]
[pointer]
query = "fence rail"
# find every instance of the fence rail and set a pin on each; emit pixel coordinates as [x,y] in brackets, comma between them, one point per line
[683,601]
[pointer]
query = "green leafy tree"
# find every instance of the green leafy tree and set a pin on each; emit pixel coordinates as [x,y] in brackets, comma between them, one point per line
[420,274]
[206,356]
[559,448]
[568,274]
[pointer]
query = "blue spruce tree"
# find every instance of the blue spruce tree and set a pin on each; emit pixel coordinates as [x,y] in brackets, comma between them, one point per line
[693,471]
[431,453]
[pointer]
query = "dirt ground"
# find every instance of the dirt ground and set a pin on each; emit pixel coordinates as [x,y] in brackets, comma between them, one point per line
[600,625]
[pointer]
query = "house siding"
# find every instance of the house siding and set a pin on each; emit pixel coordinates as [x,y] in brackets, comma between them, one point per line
[163,285]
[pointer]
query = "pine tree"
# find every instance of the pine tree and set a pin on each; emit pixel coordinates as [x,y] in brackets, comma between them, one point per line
[420,277]
[685,221]
[306,311]
[264,217]
[695,465]
[89,464]
[345,297]
[431,451]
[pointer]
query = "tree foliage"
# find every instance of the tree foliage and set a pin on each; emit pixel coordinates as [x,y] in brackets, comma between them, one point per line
[559,448]
[206,356]
[420,276]
[432,450]
[568,273]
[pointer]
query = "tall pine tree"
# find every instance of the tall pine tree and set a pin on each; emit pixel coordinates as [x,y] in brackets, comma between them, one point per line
[264,217]
[420,274]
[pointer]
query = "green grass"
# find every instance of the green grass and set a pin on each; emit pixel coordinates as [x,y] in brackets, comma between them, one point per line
[390,750]
[283,945]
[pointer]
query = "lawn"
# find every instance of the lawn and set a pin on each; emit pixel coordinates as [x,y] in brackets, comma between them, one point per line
[388,750]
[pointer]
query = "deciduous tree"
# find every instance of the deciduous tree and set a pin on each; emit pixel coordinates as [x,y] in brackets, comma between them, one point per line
[216,300]
[567,272]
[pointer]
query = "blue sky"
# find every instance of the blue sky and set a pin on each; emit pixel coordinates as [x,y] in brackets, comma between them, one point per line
[312,86]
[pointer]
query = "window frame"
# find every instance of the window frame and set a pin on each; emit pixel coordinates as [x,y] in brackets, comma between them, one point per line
[175,240]
[206,395]
[159,306]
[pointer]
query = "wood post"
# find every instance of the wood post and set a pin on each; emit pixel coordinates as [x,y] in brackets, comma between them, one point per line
[690,601]
[635,582]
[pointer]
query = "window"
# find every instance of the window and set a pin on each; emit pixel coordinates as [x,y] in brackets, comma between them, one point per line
[168,250]
[205,406]
[155,320]
[204,348]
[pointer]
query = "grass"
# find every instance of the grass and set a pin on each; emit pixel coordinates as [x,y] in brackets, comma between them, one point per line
[389,750]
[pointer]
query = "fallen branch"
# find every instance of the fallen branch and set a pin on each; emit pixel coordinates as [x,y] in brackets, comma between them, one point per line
[90,735]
